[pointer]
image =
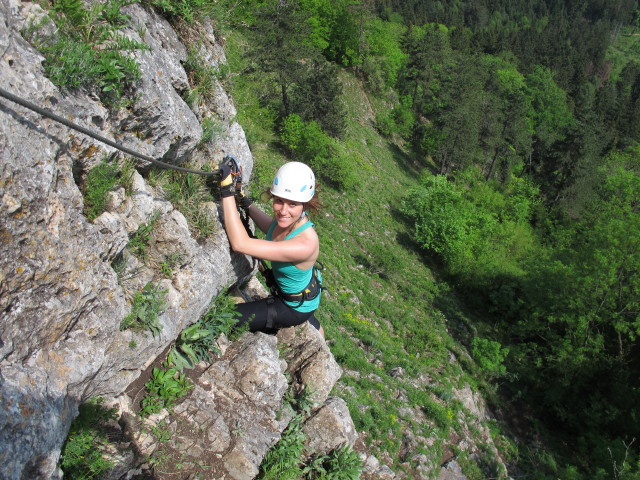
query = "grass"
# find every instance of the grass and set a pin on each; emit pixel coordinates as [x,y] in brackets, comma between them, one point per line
[102,179]
[139,240]
[187,192]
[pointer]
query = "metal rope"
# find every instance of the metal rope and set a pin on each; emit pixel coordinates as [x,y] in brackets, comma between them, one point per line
[86,131]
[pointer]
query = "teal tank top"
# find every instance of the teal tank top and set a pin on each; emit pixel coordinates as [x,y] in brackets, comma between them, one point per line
[290,278]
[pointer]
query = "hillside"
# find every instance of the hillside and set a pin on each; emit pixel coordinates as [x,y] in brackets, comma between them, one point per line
[398,331]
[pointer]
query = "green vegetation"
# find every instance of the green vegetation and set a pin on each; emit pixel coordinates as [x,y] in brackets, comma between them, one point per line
[284,460]
[82,456]
[87,50]
[202,77]
[341,464]
[146,307]
[170,262]
[101,180]
[139,240]
[187,192]
[480,165]
[164,388]
[198,342]
[187,10]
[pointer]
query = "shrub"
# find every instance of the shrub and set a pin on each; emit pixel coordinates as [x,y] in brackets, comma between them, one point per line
[309,144]
[490,355]
[442,218]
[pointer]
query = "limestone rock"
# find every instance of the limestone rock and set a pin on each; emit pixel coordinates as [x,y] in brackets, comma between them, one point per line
[309,361]
[61,302]
[329,427]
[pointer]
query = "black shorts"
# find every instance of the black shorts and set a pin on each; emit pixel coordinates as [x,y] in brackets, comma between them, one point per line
[256,315]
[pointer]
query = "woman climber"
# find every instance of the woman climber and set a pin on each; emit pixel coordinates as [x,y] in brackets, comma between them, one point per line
[291,245]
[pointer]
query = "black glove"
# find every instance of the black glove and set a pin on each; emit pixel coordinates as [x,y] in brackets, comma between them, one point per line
[242,200]
[229,172]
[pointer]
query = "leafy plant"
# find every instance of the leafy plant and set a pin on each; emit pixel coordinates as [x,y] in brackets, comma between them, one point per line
[343,463]
[302,401]
[101,179]
[221,316]
[187,10]
[164,388]
[198,342]
[283,461]
[146,307]
[161,431]
[82,457]
[139,240]
[87,50]
[170,262]
[192,346]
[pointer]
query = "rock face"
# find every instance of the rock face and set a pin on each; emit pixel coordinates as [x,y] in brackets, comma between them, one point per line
[237,409]
[61,301]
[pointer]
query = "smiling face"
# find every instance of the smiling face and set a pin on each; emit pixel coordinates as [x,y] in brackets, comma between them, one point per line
[286,212]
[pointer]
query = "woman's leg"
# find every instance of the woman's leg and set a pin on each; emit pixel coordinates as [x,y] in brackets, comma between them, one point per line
[271,314]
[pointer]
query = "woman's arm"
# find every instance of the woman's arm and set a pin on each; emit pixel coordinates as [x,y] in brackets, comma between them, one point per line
[261,219]
[296,249]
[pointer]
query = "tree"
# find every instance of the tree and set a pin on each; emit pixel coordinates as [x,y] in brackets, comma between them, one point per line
[582,327]
[550,112]
[280,36]
[306,82]
[511,142]
[316,96]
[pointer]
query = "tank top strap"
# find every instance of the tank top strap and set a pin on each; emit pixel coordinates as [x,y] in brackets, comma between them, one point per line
[270,231]
[300,229]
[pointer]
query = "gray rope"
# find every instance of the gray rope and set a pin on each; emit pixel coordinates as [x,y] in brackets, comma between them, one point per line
[100,138]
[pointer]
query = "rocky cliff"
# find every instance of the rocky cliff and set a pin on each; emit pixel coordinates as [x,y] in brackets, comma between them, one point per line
[62,302]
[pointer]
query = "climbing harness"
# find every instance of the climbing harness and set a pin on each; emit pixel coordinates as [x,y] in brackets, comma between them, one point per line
[311,291]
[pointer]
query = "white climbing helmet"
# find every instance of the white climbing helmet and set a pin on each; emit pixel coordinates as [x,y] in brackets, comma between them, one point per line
[294,181]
